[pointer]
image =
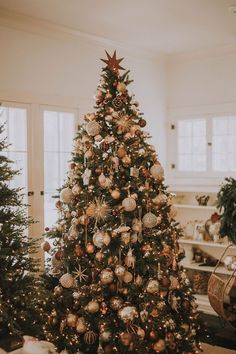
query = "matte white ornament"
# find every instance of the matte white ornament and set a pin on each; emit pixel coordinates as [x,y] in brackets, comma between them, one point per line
[150,220]
[93,128]
[66,195]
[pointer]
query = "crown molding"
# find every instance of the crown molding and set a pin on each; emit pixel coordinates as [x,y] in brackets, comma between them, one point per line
[33,25]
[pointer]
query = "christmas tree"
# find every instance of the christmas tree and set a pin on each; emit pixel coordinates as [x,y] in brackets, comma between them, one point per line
[118,286]
[18,290]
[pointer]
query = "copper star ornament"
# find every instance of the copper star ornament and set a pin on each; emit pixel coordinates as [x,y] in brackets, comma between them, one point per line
[113,63]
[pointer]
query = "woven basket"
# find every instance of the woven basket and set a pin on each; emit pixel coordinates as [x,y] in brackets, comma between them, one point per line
[220,288]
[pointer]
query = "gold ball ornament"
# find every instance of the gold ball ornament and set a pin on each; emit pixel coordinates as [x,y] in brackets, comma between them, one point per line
[92,307]
[93,128]
[115,194]
[157,171]
[150,220]
[126,338]
[71,320]
[121,87]
[159,346]
[121,152]
[116,302]
[90,248]
[127,277]
[120,271]
[90,211]
[81,326]
[66,195]
[67,280]
[128,313]
[152,286]
[106,276]
[98,239]
[45,246]
[90,337]
[129,204]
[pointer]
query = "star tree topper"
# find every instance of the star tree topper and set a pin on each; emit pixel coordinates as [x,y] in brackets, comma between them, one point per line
[113,63]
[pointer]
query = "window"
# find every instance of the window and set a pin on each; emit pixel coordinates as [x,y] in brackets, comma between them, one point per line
[15,133]
[204,146]
[59,132]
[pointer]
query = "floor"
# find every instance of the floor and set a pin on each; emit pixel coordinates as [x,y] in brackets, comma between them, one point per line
[209,349]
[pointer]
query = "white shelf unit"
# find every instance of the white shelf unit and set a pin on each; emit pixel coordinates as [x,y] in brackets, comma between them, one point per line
[184,200]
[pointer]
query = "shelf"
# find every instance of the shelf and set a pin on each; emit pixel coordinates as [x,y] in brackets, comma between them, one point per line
[205,243]
[191,206]
[195,266]
[204,304]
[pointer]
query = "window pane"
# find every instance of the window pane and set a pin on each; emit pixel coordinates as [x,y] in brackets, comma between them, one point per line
[192,145]
[224,143]
[15,132]
[59,130]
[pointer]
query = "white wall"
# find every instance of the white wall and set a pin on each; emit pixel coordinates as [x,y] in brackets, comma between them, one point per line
[65,71]
[200,79]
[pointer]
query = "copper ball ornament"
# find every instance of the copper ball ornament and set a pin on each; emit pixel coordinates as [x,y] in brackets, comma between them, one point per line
[92,307]
[115,194]
[127,277]
[142,123]
[121,152]
[45,246]
[153,335]
[90,248]
[58,290]
[159,346]
[116,302]
[81,326]
[120,271]
[93,128]
[99,256]
[126,338]
[150,220]
[79,251]
[157,171]
[129,204]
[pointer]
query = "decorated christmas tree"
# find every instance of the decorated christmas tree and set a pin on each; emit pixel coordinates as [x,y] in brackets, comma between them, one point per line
[18,291]
[117,283]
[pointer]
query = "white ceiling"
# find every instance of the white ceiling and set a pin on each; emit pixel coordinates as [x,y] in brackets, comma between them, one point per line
[158,25]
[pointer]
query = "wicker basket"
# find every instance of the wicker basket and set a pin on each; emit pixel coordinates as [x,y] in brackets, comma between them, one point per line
[219,289]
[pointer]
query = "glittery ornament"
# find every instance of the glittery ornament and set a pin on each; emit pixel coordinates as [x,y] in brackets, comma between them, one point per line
[152,286]
[128,313]
[129,204]
[160,199]
[92,307]
[119,271]
[117,102]
[106,276]
[93,128]
[150,220]
[67,280]
[142,123]
[116,303]
[157,172]
[66,195]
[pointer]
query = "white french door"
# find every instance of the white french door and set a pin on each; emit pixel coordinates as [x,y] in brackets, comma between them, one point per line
[40,140]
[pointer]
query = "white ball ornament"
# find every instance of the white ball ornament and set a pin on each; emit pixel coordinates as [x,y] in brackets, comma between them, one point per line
[129,204]
[150,220]
[66,195]
[128,313]
[67,280]
[106,276]
[152,286]
[98,239]
[157,171]
[93,128]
